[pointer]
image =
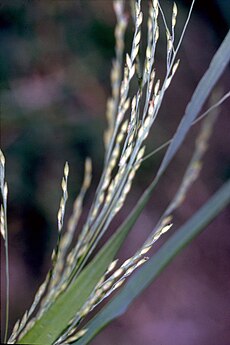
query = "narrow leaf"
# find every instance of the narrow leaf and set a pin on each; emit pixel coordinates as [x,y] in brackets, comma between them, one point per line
[157,263]
[205,86]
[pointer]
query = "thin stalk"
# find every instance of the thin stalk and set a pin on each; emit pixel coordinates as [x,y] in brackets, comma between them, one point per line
[217,104]
[157,150]
[183,32]
[7,276]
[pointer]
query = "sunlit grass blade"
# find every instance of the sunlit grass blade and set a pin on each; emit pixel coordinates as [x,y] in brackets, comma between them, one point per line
[157,263]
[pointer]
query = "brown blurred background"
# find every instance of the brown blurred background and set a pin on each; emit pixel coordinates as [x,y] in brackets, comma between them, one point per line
[55,62]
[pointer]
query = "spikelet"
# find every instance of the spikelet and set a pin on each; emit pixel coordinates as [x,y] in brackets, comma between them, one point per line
[2,169]
[5,192]
[2,222]
[162,229]
[125,156]
[139,158]
[123,130]
[174,15]
[61,211]
[112,266]
[76,336]
[169,79]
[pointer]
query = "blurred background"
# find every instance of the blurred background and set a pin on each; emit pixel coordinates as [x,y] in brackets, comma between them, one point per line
[55,62]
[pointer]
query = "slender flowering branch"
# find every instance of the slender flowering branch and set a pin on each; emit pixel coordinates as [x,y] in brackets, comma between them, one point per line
[4,233]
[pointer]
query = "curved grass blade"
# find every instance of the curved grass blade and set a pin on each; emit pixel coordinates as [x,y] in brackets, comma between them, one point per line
[141,279]
[205,86]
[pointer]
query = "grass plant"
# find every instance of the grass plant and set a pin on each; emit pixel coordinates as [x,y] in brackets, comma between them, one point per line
[81,277]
